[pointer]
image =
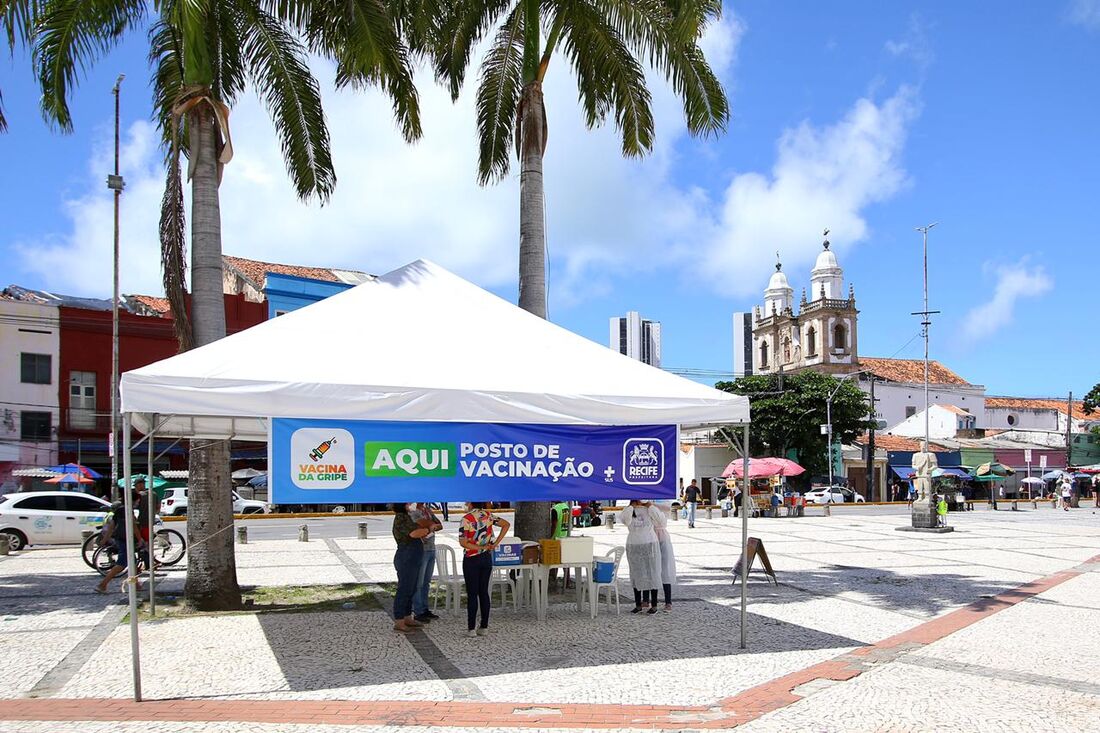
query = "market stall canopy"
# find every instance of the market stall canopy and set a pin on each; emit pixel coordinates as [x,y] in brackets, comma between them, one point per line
[417,344]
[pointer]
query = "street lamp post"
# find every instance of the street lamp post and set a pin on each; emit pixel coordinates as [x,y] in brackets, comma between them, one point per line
[116,184]
[925,324]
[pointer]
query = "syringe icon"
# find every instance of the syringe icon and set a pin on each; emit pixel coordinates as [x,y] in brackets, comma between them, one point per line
[319,452]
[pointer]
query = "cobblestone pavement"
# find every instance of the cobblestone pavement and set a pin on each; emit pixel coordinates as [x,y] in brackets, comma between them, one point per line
[963,650]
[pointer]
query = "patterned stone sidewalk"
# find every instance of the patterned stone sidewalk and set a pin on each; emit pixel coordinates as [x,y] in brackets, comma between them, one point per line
[838,638]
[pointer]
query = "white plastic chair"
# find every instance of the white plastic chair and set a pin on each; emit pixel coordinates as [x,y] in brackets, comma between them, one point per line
[592,588]
[501,580]
[447,580]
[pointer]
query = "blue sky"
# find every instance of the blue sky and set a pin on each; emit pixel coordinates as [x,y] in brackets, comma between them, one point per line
[864,117]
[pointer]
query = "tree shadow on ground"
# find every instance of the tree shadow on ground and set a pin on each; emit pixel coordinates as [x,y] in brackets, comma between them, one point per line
[39,593]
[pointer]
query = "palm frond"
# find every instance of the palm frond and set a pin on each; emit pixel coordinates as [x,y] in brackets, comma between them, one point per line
[361,37]
[71,35]
[224,40]
[498,98]
[19,18]
[461,28]
[173,252]
[165,59]
[706,108]
[3,120]
[609,78]
[277,66]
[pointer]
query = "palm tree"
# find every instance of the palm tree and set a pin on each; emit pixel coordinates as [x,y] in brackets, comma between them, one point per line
[606,43]
[204,54]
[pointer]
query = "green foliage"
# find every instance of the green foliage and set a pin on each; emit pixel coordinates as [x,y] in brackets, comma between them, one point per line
[1092,400]
[791,418]
[608,44]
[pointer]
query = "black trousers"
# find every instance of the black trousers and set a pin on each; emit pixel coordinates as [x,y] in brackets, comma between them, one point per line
[650,597]
[477,571]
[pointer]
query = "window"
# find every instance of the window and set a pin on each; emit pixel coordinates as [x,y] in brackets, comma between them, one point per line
[1011,420]
[910,411]
[811,341]
[78,503]
[35,425]
[34,368]
[763,353]
[40,503]
[840,340]
[82,400]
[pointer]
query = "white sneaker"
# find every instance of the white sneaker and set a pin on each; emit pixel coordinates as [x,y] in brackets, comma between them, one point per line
[482,632]
[471,634]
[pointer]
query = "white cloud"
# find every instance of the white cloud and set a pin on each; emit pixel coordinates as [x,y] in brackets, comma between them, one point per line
[915,45]
[1085,13]
[396,202]
[1014,282]
[823,177]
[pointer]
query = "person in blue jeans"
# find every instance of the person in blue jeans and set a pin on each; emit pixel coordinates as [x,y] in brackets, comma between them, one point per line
[406,561]
[478,537]
[423,515]
[691,499]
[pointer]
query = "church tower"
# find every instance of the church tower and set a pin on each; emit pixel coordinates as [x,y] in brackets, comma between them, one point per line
[822,336]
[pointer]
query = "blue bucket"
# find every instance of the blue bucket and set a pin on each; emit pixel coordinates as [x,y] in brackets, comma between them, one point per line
[603,571]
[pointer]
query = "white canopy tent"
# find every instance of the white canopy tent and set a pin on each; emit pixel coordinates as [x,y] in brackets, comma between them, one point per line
[418,344]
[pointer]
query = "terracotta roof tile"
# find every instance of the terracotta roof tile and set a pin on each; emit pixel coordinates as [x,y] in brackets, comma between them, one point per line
[256,270]
[957,410]
[910,370]
[153,303]
[1034,403]
[898,443]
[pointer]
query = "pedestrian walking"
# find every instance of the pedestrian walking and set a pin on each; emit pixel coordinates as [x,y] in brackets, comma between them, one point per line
[941,511]
[425,518]
[1067,494]
[691,500]
[668,557]
[643,552]
[478,540]
[406,561]
[736,499]
[912,493]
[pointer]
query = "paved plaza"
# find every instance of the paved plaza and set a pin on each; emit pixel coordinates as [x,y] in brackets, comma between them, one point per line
[993,627]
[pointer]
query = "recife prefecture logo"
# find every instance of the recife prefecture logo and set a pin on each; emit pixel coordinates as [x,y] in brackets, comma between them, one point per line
[322,458]
[643,461]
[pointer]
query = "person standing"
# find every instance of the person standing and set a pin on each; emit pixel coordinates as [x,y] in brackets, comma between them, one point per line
[406,561]
[941,511]
[691,499]
[668,557]
[643,552]
[737,499]
[477,539]
[424,517]
[1067,494]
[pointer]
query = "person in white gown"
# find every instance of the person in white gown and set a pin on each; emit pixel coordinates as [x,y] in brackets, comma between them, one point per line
[643,552]
[668,557]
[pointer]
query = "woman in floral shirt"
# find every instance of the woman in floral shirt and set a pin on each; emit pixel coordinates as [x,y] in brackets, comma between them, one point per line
[477,539]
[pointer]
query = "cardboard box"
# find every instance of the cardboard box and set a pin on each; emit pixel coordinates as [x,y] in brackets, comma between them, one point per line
[508,553]
[551,551]
[532,553]
[577,549]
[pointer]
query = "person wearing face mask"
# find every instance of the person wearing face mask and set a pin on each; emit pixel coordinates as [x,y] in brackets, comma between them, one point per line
[643,553]
[409,535]
[477,538]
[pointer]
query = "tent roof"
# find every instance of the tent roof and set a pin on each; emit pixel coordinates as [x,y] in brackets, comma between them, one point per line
[417,344]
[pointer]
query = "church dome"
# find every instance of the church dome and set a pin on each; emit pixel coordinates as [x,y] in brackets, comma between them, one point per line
[778,281]
[826,261]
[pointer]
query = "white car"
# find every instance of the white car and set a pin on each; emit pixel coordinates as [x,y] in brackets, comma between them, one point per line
[49,517]
[832,495]
[175,503]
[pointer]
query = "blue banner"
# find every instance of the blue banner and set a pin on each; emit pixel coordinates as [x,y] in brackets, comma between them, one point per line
[365,462]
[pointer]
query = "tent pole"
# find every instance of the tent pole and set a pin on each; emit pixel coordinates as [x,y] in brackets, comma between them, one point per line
[152,517]
[131,556]
[746,502]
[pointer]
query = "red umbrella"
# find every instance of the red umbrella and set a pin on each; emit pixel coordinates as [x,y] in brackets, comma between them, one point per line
[790,468]
[758,468]
[69,478]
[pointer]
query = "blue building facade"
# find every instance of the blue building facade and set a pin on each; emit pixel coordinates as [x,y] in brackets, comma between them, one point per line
[287,293]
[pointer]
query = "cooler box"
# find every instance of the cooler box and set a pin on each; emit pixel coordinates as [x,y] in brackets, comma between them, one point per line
[603,571]
[577,549]
[551,551]
[532,553]
[508,553]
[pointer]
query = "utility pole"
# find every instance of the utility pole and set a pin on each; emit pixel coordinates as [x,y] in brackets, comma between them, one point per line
[871,446]
[116,184]
[1069,432]
[924,327]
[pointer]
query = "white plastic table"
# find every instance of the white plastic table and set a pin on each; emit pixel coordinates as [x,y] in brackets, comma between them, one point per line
[543,578]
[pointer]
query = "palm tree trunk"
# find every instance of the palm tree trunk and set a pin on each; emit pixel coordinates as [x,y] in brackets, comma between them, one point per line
[532,517]
[211,564]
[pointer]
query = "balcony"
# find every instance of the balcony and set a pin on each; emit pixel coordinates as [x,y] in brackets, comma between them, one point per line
[86,419]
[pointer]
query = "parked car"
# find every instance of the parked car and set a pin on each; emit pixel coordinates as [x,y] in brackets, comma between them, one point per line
[832,495]
[175,503]
[49,517]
